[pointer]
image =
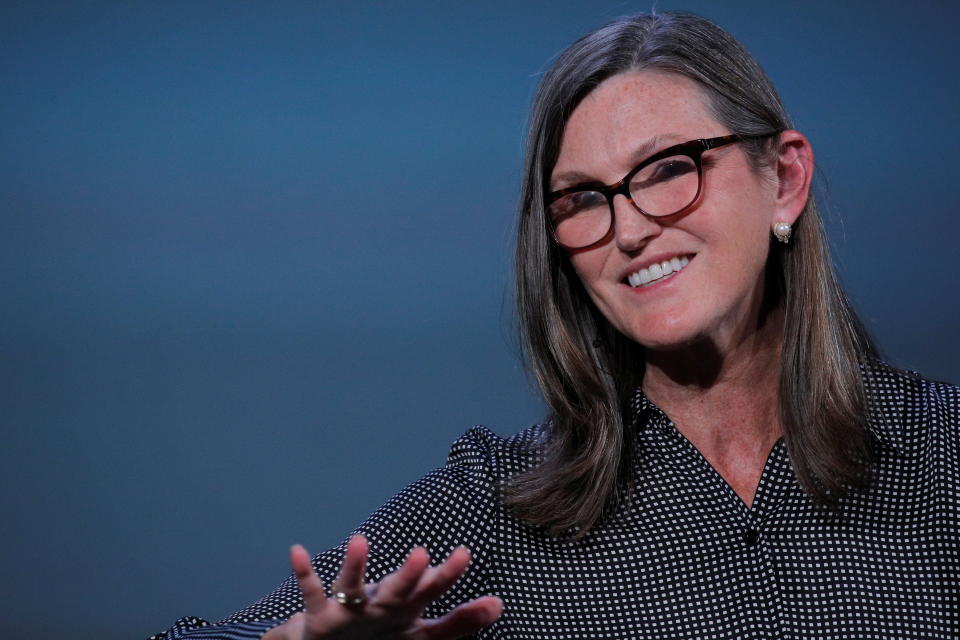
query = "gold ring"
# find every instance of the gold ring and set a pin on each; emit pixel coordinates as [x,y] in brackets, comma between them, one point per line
[347,601]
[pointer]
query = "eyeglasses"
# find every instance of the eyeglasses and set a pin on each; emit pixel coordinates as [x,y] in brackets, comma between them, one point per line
[665,184]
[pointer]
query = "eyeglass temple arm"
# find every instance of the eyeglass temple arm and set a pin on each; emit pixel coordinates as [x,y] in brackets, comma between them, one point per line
[710,143]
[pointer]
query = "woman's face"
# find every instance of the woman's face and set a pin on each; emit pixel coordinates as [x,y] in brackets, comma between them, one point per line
[725,236]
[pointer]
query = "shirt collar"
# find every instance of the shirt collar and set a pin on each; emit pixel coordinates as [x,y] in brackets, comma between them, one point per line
[646,415]
[887,392]
[885,388]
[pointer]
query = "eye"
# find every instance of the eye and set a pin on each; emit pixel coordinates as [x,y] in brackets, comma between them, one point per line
[663,171]
[576,203]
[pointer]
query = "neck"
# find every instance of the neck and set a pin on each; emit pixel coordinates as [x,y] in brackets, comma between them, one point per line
[723,398]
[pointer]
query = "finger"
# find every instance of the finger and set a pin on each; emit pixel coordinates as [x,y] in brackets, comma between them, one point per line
[396,588]
[350,580]
[466,619]
[310,585]
[437,580]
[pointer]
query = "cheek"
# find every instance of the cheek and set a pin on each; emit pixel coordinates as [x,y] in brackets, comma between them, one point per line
[743,229]
[588,266]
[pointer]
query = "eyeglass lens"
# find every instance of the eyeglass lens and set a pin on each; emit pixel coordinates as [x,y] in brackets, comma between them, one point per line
[661,188]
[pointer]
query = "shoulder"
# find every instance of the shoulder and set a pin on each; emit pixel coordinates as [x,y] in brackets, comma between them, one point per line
[477,465]
[453,505]
[909,411]
[480,450]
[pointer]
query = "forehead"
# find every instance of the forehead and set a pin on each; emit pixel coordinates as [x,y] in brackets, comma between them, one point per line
[626,112]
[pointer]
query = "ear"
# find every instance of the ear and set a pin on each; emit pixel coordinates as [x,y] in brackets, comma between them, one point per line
[794,173]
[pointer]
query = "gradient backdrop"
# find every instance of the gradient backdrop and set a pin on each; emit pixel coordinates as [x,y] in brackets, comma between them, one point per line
[255,263]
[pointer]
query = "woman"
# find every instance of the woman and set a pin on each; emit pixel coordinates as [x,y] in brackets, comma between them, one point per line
[725,456]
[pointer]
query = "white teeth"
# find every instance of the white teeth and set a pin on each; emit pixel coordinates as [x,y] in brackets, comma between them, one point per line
[657,271]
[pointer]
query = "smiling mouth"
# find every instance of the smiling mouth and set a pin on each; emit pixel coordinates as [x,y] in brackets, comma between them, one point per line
[657,272]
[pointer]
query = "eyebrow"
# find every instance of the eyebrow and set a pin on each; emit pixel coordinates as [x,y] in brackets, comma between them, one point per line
[643,151]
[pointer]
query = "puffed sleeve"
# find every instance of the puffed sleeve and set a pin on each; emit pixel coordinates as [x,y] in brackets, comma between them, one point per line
[451,506]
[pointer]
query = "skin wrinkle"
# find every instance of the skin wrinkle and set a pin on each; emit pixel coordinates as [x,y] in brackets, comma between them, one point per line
[643,151]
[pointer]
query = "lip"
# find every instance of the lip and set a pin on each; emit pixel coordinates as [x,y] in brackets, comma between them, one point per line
[654,259]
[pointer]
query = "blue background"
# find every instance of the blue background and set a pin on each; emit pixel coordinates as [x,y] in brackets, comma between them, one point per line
[255,263]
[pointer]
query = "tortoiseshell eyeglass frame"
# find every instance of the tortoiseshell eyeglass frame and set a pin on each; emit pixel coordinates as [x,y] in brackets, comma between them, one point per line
[693,149]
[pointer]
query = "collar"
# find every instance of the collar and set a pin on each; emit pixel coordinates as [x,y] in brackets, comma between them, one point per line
[646,415]
[887,391]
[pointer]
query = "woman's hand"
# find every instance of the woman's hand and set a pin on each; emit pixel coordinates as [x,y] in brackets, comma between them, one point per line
[388,609]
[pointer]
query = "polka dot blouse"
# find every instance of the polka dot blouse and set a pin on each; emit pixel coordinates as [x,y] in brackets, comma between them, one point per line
[687,558]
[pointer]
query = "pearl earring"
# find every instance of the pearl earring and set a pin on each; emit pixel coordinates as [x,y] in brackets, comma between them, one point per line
[782,231]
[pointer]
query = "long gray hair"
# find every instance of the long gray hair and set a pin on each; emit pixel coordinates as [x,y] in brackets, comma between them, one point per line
[585,472]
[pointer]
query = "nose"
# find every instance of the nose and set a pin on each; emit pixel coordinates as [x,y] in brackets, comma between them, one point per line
[632,229]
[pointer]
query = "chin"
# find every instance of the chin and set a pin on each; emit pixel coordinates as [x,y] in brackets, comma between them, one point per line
[667,345]
[665,338]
